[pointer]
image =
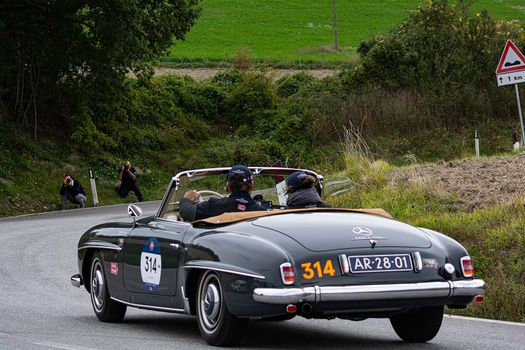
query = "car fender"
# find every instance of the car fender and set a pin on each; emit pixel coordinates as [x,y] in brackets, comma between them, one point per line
[238,253]
[243,262]
[455,251]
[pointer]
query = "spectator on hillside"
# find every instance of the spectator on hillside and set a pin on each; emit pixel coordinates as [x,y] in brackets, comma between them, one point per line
[302,192]
[128,181]
[73,191]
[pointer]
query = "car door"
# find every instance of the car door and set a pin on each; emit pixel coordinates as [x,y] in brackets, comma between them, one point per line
[151,255]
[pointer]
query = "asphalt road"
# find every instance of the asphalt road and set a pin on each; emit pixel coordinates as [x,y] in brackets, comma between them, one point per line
[39,309]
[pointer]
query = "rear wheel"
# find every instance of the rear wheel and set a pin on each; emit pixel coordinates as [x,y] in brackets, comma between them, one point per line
[107,310]
[420,326]
[216,324]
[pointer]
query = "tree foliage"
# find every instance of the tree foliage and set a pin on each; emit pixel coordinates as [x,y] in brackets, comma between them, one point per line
[444,52]
[51,47]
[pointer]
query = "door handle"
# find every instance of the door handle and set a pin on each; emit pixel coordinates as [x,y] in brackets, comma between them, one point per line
[157,226]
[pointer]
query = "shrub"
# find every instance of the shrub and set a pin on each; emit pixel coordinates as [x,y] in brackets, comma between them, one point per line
[242,60]
[250,101]
[290,84]
[443,52]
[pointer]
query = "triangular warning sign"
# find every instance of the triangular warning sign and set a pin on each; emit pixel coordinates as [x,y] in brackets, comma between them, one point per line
[511,60]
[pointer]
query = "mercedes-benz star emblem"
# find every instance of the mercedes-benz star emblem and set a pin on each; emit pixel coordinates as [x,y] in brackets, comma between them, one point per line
[362,231]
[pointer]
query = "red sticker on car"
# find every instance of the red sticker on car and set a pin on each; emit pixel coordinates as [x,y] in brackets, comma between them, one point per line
[114,268]
[241,207]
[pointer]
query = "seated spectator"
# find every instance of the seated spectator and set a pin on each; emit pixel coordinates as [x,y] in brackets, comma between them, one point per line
[239,184]
[302,192]
[73,191]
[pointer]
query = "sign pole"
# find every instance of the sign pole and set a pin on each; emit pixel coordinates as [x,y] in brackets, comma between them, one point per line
[520,115]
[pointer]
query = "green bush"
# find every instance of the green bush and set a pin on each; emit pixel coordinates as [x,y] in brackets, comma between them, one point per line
[250,101]
[445,53]
[290,84]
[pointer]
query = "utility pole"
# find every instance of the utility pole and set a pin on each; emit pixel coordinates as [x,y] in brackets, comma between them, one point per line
[336,39]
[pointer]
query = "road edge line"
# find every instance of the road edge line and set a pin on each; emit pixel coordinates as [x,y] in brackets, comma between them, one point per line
[486,320]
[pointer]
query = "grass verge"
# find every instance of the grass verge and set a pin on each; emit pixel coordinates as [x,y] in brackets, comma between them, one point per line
[493,236]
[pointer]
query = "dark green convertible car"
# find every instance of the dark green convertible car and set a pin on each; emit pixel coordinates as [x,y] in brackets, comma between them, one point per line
[274,264]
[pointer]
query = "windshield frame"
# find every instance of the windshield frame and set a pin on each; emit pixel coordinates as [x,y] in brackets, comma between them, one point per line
[175,181]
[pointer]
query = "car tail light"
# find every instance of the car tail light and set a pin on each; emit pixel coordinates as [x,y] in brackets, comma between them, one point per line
[287,273]
[467,267]
[291,309]
[479,298]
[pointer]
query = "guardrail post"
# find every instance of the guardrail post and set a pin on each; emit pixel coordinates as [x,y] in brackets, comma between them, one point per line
[93,187]
[476,142]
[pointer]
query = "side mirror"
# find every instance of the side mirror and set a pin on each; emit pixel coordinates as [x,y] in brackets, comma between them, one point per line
[134,211]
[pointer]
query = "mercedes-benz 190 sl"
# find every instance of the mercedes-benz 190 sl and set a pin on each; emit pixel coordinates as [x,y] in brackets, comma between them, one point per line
[274,264]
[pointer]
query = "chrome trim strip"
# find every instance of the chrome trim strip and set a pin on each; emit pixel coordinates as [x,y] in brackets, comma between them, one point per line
[109,246]
[150,307]
[76,280]
[224,170]
[369,292]
[223,270]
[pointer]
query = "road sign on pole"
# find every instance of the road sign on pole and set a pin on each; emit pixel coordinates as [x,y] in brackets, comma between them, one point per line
[511,70]
[512,60]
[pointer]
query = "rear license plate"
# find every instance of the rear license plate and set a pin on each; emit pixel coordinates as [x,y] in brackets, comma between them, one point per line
[380,263]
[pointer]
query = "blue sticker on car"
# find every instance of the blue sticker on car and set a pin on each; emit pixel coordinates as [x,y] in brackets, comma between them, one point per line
[151,264]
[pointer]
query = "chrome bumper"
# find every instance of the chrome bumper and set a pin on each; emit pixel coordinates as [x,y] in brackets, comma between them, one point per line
[318,294]
[76,280]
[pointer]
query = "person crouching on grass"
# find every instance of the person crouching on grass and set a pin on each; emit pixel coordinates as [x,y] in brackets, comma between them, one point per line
[73,191]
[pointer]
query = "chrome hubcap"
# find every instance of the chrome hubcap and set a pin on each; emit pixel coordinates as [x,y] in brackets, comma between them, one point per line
[210,302]
[97,287]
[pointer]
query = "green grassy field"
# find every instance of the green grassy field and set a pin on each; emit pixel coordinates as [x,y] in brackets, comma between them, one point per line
[301,30]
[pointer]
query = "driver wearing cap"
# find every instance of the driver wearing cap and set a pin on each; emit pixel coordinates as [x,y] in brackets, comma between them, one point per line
[239,184]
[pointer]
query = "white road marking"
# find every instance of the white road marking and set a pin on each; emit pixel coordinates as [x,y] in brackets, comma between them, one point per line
[486,320]
[63,346]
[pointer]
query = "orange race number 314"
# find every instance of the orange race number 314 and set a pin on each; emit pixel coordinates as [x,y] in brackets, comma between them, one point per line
[312,269]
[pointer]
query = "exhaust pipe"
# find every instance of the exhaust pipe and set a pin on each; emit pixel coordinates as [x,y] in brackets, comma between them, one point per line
[306,308]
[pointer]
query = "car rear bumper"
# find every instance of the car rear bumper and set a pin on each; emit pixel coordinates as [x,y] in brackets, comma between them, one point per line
[316,294]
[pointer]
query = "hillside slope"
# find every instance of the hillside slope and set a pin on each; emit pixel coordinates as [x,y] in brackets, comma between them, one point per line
[478,183]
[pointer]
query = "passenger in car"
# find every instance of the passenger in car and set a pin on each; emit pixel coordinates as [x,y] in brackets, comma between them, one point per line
[302,192]
[239,184]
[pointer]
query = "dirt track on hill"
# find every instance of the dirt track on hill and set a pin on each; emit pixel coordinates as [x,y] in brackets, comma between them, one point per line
[479,183]
[200,74]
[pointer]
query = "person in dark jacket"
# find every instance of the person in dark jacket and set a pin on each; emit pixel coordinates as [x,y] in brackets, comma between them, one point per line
[302,192]
[128,181]
[73,191]
[239,184]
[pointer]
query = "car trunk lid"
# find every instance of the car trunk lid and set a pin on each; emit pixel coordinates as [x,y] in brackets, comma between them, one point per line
[327,231]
